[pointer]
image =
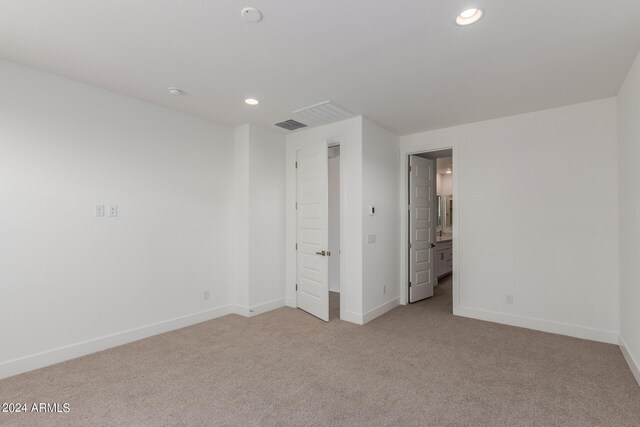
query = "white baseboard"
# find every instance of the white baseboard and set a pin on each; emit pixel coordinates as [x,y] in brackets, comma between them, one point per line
[633,363]
[72,351]
[379,311]
[609,337]
[258,309]
[361,319]
[350,316]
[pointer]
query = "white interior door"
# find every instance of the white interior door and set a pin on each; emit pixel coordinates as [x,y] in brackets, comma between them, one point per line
[312,230]
[422,227]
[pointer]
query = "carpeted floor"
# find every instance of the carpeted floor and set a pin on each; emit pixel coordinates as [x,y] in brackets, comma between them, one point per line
[418,365]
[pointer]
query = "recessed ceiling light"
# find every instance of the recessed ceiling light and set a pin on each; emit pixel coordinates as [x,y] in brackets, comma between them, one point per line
[251,101]
[175,91]
[251,14]
[468,13]
[469,16]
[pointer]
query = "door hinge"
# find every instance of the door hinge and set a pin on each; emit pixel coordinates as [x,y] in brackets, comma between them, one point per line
[296,165]
[296,205]
[296,286]
[409,245]
[296,246]
[409,168]
[409,285]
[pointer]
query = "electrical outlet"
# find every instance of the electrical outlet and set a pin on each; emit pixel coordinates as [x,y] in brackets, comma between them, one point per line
[99,210]
[384,290]
[113,210]
[205,295]
[509,299]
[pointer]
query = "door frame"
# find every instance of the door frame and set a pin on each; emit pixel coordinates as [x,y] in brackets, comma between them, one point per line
[292,268]
[418,147]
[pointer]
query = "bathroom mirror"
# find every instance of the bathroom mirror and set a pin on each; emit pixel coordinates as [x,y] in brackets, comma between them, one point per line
[445,211]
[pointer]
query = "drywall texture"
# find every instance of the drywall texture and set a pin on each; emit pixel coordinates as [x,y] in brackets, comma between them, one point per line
[67,276]
[380,176]
[629,196]
[533,220]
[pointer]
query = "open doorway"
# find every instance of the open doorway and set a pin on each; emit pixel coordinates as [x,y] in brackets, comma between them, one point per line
[318,217]
[334,231]
[430,228]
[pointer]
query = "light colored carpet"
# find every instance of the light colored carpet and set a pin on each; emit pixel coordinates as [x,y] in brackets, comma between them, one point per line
[418,365]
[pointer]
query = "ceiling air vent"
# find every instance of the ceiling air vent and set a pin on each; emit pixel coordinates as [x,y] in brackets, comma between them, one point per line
[291,125]
[322,113]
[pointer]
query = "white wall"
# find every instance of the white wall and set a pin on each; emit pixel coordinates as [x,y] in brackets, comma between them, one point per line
[68,278]
[239,245]
[629,197]
[334,221]
[532,218]
[349,134]
[381,171]
[267,219]
[446,184]
[258,219]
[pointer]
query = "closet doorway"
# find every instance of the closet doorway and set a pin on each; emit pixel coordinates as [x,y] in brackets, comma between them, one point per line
[318,216]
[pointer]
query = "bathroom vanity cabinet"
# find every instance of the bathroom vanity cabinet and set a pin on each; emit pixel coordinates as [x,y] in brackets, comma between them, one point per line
[444,257]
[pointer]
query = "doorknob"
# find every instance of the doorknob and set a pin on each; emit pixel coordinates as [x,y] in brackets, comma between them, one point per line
[433,245]
[323,253]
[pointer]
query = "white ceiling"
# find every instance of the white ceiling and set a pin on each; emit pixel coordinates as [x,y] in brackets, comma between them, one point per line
[402,63]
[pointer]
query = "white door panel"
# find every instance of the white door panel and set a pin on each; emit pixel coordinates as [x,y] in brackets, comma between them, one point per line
[422,224]
[312,230]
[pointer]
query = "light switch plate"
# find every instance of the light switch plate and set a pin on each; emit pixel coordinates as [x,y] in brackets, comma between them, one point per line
[99,210]
[371,238]
[113,210]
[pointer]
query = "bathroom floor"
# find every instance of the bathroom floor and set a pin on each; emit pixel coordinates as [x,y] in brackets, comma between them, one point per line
[442,299]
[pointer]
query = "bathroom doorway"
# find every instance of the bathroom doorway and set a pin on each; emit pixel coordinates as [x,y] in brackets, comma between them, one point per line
[430,220]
